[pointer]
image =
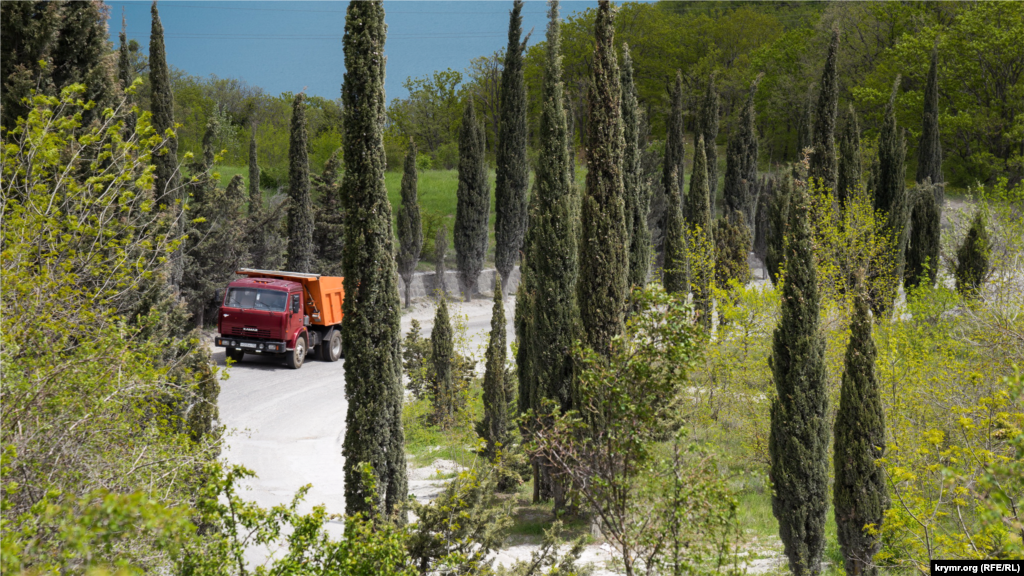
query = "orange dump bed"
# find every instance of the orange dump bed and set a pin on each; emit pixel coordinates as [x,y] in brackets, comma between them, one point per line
[324,294]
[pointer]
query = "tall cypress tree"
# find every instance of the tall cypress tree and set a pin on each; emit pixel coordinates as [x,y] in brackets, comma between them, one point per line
[547,314]
[496,418]
[823,158]
[410,229]
[805,125]
[890,192]
[329,218]
[473,203]
[707,127]
[926,215]
[125,76]
[300,208]
[798,440]
[512,173]
[761,219]
[634,181]
[372,307]
[161,102]
[603,265]
[849,171]
[674,274]
[859,493]
[929,150]
[700,235]
[675,152]
[778,225]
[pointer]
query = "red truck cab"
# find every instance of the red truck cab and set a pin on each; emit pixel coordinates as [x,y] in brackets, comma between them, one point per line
[272,316]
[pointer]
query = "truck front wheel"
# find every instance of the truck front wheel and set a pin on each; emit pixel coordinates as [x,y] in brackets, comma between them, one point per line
[297,356]
[330,349]
[235,354]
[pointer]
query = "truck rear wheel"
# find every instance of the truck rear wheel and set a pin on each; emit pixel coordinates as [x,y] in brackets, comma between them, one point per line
[296,357]
[235,354]
[330,349]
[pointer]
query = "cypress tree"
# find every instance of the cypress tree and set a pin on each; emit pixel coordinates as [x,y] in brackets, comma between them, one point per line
[440,253]
[28,30]
[329,218]
[741,161]
[798,440]
[926,215]
[603,265]
[700,234]
[778,220]
[80,54]
[674,275]
[860,497]
[443,389]
[512,173]
[410,229]
[929,150]
[255,195]
[823,158]
[124,73]
[372,307]
[849,171]
[634,181]
[300,208]
[161,102]
[473,203]
[761,232]
[496,417]
[972,258]
[675,153]
[547,315]
[732,243]
[891,191]
[923,249]
[707,127]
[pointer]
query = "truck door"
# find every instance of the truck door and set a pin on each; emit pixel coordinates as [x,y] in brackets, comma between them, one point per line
[295,318]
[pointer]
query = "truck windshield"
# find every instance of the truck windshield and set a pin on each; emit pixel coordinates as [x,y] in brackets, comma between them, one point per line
[256,299]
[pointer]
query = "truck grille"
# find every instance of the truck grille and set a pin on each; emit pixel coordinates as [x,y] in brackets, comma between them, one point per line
[260,333]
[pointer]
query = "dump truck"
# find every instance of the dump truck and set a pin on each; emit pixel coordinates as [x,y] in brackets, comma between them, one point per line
[281,314]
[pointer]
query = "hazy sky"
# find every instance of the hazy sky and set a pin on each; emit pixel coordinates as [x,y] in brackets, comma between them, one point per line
[288,46]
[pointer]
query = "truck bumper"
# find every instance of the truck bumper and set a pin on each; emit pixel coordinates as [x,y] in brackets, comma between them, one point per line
[252,345]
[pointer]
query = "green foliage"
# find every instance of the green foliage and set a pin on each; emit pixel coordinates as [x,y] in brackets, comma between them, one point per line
[301,226]
[798,441]
[929,149]
[823,156]
[673,164]
[603,260]
[890,194]
[860,496]
[371,331]
[778,220]
[512,172]
[431,114]
[670,513]
[473,195]
[972,258]
[443,392]
[731,239]
[410,229]
[707,128]
[699,238]
[739,191]
[416,353]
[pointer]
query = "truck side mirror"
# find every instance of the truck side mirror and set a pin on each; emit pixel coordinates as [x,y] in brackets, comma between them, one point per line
[295,304]
[218,296]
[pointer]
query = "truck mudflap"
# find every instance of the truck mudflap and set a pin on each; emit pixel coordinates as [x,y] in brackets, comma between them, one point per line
[252,345]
